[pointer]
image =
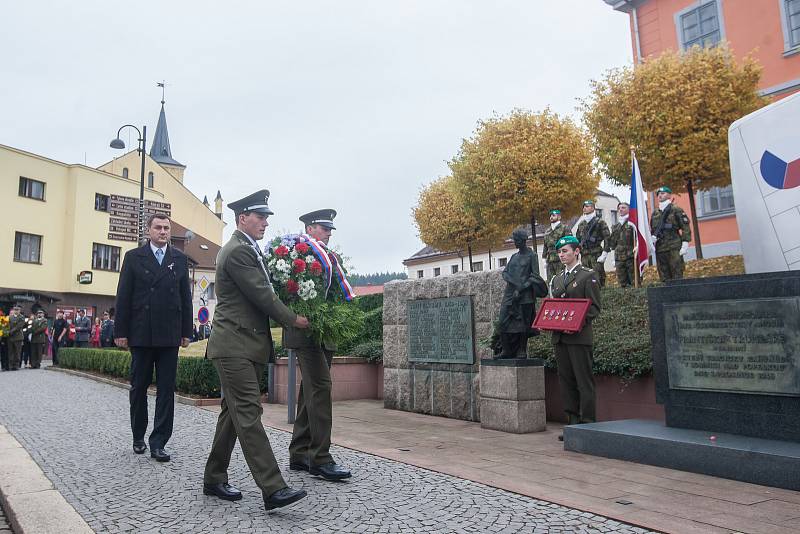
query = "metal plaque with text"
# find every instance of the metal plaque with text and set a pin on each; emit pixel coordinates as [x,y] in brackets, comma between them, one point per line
[740,346]
[440,330]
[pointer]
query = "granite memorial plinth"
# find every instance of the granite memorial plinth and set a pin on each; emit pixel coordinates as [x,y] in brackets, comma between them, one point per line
[726,359]
[512,395]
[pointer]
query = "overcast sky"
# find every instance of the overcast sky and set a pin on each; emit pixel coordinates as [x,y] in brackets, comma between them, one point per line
[351,105]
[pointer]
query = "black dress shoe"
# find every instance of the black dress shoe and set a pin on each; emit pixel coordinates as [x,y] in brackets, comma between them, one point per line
[160,455]
[298,465]
[283,497]
[139,447]
[330,471]
[224,491]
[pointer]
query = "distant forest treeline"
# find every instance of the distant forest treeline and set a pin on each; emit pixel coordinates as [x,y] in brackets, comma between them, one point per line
[374,279]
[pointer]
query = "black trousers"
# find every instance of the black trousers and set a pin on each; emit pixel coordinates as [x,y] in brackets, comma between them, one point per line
[55,346]
[165,362]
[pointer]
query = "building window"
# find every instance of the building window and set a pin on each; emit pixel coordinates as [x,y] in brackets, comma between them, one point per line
[27,248]
[699,25]
[31,188]
[614,217]
[437,271]
[420,274]
[502,262]
[477,266]
[599,212]
[150,180]
[790,15]
[715,201]
[105,257]
[125,172]
[100,202]
[209,292]
[453,269]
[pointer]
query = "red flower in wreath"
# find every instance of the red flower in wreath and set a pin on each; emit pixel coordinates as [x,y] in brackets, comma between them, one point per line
[282,251]
[316,267]
[292,286]
[301,248]
[299,265]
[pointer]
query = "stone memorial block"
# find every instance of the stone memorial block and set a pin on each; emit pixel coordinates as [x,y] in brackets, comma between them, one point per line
[512,395]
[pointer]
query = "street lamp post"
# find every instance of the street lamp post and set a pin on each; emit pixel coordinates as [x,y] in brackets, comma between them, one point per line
[120,144]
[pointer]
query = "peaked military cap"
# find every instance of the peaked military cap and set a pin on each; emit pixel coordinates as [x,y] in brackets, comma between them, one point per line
[320,217]
[567,240]
[256,202]
[588,202]
[664,189]
[555,212]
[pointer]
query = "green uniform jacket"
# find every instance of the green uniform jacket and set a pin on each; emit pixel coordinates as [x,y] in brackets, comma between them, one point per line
[16,324]
[39,331]
[582,283]
[551,237]
[593,236]
[245,303]
[673,230]
[622,240]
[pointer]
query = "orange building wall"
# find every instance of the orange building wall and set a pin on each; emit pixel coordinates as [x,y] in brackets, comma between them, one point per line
[752,27]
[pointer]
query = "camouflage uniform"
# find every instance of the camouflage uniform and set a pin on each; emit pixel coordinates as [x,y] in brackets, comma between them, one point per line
[550,253]
[593,236]
[671,227]
[622,240]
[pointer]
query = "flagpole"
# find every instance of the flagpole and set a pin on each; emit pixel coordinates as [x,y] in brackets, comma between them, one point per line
[636,236]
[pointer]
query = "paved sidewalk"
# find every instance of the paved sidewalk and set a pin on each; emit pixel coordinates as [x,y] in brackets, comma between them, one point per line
[77,431]
[537,466]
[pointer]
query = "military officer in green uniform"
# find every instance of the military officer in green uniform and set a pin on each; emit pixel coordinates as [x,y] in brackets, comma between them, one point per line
[309,449]
[16,335]
[38,339]
[622,241]
[671,236]
[593,234]
[556,231]
[574,351]
[240,346]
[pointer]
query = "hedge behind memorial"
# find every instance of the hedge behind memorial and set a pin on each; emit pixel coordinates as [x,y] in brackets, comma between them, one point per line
[621,335]
[195,376]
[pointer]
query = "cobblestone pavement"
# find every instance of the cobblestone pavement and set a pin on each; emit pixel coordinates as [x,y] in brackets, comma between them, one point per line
[77,430]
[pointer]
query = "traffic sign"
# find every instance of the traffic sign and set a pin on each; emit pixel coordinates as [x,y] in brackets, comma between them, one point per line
[202,315]
[203,283]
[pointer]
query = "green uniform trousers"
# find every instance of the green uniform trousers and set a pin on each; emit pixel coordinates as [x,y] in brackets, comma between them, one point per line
[590,261]
[311,439]
[37,349]
[670,265]
[14,354]
[576,381]
[624,272]
[241,418]
[553,268]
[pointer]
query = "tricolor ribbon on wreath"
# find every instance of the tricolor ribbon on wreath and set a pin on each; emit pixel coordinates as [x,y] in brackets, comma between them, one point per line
[330,267]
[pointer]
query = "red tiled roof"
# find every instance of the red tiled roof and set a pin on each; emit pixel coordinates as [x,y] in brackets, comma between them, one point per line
[368,290]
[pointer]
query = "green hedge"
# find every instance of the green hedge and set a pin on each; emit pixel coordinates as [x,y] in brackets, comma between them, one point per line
[371,350]
[372,331]
[369,302]
[621,335]
[195,376]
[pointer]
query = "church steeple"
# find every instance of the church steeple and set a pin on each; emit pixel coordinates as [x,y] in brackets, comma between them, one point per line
[160,150]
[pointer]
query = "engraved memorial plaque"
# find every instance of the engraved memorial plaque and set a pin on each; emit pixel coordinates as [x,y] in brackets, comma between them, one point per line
[440,330]
[739,346]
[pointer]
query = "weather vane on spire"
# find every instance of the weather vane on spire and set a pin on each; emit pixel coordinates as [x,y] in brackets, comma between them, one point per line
[162,84]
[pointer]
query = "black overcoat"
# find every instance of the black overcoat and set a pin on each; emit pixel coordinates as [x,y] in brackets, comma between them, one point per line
[154,302]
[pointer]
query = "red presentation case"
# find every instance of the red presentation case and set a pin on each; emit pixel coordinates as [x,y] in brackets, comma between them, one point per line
[562,315]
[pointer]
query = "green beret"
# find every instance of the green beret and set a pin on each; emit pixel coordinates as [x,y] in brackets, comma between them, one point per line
[588,202]
[555,212]
[664,189]
[567,240]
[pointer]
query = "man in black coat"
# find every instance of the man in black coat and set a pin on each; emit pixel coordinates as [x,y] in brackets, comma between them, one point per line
[153,317]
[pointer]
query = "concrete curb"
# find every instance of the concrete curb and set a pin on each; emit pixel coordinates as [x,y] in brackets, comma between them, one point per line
[31,502]
[103,380]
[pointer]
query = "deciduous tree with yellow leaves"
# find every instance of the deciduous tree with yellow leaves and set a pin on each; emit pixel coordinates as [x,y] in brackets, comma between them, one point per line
[674,111]
[523,164]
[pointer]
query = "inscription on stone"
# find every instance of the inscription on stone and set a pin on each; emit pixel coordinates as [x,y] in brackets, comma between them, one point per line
[440,330]
[741,346]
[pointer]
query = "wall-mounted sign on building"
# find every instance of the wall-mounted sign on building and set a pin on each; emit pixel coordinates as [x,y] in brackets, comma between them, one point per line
[85,277]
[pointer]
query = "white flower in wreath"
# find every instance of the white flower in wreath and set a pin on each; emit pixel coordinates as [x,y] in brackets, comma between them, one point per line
[283,266]
[293,254]
[310,259]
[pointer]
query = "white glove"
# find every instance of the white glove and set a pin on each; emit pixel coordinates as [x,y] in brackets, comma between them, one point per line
[653,239]
[684,248]
[602,257]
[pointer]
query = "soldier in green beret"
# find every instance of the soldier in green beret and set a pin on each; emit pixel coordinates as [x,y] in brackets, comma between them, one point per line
[671,235]
[622,241]
[574,351]
[38,339]
[556,231]
[593,234]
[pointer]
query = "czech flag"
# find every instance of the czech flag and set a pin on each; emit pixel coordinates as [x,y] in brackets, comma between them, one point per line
[637,216]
